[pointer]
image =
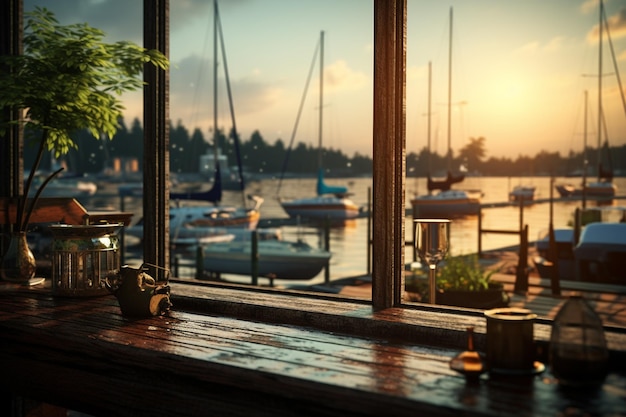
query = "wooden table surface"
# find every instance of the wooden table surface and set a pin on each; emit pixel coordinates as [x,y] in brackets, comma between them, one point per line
[82,354]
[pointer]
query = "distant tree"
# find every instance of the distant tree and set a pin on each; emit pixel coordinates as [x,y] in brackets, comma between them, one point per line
[180,157]
[473,153]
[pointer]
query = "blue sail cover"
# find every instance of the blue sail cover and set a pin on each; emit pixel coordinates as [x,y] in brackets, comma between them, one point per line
[326,189]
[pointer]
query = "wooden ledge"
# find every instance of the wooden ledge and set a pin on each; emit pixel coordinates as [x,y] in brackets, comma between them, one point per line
[60,210]
[437,326]
[223,351]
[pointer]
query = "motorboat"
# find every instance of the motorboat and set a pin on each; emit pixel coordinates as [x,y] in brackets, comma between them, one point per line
[64,187]
[524,193]
[277,259]
[600,255]
[564,244]
[594,189]
[205,224]
[447,204]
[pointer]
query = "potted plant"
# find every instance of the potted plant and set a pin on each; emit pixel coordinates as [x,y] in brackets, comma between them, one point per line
[68,79]
[462,282]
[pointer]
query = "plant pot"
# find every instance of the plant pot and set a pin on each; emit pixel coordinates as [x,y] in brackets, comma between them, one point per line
[493,297]
[18,262]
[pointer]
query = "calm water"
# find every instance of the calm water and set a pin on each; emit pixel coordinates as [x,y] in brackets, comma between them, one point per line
[349,244]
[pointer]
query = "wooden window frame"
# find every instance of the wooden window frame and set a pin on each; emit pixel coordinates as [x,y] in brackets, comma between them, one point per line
[389,147]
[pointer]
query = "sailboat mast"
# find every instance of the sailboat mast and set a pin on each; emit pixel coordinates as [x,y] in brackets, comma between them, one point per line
[599,89]
[215,20]
[584,190]
[430,83]
[321,102]
[450,96]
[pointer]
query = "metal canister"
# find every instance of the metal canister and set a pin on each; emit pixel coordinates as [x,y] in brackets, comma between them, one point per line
[82,257]
[510,340]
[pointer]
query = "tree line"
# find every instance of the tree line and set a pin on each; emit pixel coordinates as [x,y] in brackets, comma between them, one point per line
[262,158]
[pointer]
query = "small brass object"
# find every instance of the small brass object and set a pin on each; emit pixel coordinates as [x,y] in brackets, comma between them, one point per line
[138,294]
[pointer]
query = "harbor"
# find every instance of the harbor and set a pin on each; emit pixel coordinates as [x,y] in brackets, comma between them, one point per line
[349,243]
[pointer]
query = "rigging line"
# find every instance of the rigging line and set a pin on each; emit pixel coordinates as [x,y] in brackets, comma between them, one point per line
[295,127]
[231,107]
[619,81]
[199,77]
[605,145]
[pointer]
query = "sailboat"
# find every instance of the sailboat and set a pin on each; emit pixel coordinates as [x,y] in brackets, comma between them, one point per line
[331,202]
[447,202]
[603,187]
[202,222]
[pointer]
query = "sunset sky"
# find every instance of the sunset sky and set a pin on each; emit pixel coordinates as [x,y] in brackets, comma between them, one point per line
[520,68]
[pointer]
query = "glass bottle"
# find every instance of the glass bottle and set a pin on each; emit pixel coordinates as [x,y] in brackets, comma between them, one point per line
[578,350]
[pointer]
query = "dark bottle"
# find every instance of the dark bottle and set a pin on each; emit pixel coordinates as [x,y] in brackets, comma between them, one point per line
[578,350]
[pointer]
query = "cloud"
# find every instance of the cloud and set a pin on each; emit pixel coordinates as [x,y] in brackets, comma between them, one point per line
[616,24]
[122,19]
[191,93]
[102,14]
[339,76]
[529,48]
[589,6]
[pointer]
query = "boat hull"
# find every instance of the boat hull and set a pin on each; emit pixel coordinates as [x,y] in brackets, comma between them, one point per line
[600,255]
[522,193]
[276,259]
[446,204]
[600,189]
[321,208]
[197,223]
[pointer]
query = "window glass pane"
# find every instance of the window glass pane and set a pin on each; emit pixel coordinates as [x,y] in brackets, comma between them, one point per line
[495,93]
[268,87]
[269,57]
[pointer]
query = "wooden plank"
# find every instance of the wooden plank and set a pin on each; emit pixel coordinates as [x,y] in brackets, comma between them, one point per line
[88,357]
[96,217]
[47,210]
[588,287]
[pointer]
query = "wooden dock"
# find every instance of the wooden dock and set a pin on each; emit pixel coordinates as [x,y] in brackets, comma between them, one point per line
[609,301]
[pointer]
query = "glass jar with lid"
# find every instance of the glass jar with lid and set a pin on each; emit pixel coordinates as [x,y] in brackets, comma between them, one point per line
[579,353]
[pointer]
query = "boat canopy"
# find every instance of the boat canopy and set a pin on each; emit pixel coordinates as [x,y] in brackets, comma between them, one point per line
[322,188]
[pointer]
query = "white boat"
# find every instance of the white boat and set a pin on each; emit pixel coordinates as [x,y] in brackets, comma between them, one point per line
[331,202]
[322,207]
[525,192]
[447,203]
[600,255]
[64,187]
[277,259]
[192,225]
[594,189]
[564,251]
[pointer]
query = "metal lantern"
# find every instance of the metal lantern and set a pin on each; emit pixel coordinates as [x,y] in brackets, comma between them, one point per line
[82,257]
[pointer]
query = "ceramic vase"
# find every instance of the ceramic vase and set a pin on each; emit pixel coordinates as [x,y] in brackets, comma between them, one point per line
[18,262]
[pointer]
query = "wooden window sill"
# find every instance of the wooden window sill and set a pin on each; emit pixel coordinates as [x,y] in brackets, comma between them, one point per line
[223,351]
